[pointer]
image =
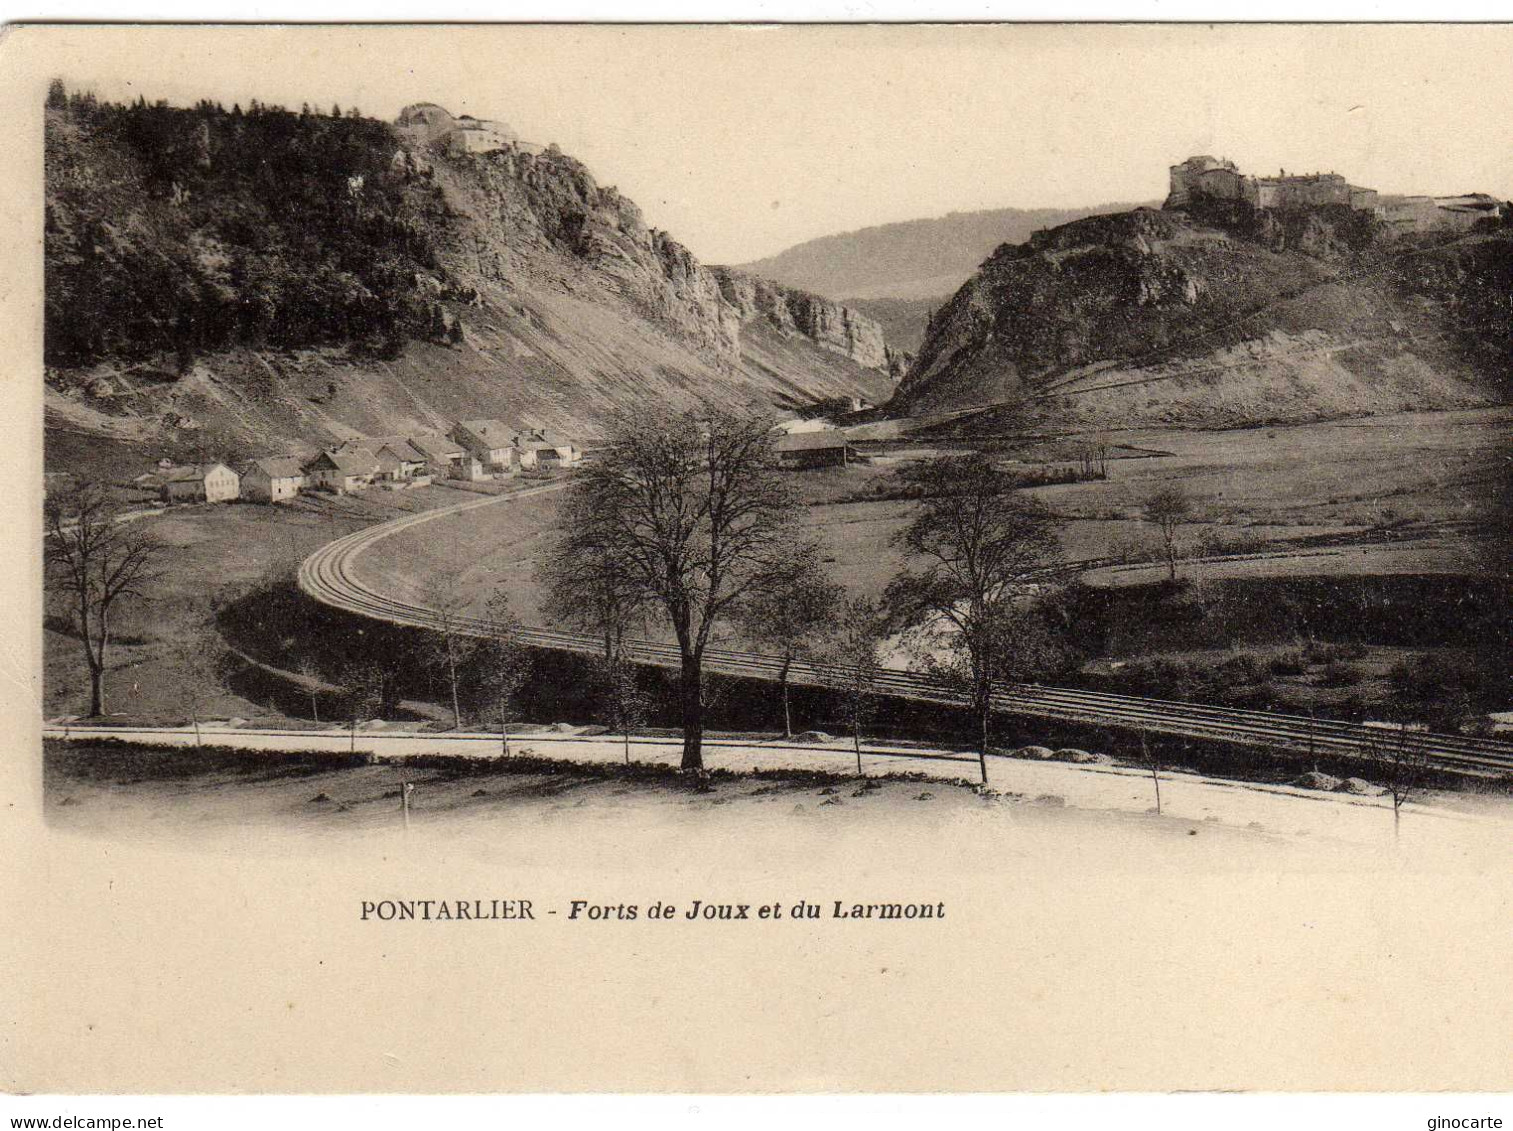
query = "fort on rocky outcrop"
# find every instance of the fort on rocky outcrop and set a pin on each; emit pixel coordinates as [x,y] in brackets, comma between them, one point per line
[1211,178]
[461,135]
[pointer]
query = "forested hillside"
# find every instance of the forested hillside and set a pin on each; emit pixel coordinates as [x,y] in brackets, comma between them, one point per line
[186,231]
[252,279]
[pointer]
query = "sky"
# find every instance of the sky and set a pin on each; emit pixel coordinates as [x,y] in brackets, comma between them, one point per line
[742,141]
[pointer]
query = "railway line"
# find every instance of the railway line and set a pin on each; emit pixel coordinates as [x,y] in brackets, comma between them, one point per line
[329,576]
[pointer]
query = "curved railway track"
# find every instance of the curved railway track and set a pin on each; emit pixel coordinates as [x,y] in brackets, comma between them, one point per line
[329,576]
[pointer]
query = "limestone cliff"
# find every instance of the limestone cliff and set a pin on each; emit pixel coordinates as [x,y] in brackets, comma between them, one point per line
[829,325]
[1168,317]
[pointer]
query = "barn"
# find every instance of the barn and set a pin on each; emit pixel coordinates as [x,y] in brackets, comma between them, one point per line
[813,449]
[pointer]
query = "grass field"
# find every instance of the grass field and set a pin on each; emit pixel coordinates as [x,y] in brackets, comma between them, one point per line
[1404,495]
[1431,481]
[1370,499]
[210,550]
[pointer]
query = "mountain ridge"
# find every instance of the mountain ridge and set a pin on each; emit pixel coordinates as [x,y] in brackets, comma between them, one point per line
[1219,315]
[237,282]
[909,259]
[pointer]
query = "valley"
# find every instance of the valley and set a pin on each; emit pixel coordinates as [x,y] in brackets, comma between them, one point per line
[1322,384]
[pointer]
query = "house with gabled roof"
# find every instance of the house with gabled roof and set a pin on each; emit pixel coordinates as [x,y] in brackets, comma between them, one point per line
[200,483]
[539,447]
[342,470]
[491,442]
[440,453]
[398,459]
[272,479]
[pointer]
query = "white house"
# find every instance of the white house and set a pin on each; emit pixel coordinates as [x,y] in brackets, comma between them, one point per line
[538,447]
[398,458]
[491,442]
[201,482]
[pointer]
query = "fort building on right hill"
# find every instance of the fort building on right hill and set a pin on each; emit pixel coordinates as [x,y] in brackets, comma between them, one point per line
[1213,178]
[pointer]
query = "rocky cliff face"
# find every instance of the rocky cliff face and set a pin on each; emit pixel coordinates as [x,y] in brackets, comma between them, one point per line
[1163,317]
[829,325]
[505,283]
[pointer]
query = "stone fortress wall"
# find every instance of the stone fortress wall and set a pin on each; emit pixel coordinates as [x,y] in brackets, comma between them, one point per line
[1213,178]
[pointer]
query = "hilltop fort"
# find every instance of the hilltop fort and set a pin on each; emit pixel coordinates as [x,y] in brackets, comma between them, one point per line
[1211,178]
[461,135]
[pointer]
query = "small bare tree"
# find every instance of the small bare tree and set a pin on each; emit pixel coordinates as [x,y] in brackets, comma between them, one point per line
[446,648]
[792,617]
[856,647]
[1405,764]
[309,673]
[1092,457]
[1167,508]
[94,562]
[504,663]
[200,660]
[1150,758]
[362,694]
[625,705]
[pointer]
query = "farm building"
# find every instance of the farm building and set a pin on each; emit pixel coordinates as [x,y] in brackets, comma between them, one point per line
[442,455]
[491,442]
[272,479]
[200,483]
[342,470]
[813,449]
[801,424]
[469,469]
[537,447]
[398,458]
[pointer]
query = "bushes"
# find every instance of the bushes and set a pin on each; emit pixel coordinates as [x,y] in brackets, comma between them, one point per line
[1447,688]
[1289,663]
[1243,668]
[1318,653]
[1339,674]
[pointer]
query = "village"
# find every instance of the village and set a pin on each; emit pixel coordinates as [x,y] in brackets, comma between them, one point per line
[470,451]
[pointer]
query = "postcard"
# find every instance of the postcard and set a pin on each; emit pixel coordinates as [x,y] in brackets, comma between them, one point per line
[750,559]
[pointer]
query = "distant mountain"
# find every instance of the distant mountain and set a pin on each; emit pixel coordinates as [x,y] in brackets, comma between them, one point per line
[242,281]
[913,260]
[1220,316]
[904,320]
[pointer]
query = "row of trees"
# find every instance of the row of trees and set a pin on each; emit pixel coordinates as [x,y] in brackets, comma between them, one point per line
[687,521]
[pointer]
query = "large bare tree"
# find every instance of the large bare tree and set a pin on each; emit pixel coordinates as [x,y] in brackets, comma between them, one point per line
[694,510]
[982,549]
[95,562]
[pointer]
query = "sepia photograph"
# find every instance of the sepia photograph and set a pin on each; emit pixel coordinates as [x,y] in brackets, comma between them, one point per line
[942,558]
